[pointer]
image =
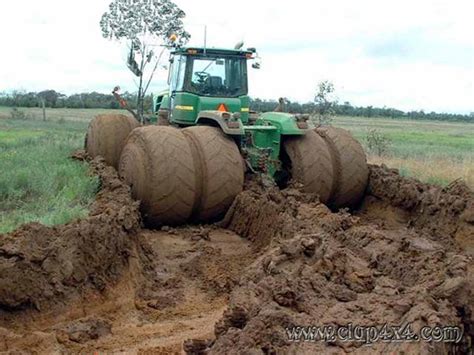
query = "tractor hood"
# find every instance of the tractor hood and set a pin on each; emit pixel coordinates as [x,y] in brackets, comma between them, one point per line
[186,106]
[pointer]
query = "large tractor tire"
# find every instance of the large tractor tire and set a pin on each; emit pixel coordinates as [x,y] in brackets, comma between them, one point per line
[106,136]
[158,165]
[350,167]
[311,164]
[219,168]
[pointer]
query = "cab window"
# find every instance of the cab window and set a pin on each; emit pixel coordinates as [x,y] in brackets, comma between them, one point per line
[216,76]
[177,73]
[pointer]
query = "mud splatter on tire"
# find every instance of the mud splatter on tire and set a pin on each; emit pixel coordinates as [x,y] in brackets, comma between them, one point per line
[106,136]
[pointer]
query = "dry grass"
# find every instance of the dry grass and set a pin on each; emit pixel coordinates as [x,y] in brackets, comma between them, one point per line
[437,171]
[57,114]
[432,151]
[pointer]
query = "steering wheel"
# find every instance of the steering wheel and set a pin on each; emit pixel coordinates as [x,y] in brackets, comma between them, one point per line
[202,75]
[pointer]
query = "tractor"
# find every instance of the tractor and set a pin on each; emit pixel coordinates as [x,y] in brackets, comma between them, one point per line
[188,165]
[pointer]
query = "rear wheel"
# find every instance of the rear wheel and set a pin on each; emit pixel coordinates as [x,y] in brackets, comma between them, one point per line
[219,168]
[310,163]
[106,136]
[158,165]
[350,166]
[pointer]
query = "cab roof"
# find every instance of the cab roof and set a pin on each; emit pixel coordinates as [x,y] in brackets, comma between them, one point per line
[214,51]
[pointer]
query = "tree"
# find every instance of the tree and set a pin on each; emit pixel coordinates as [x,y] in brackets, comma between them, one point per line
[325,102]
[377,142]
[16,97]
[144,24]
[49,97]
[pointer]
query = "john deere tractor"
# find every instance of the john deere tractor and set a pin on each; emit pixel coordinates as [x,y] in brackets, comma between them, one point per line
[189,164]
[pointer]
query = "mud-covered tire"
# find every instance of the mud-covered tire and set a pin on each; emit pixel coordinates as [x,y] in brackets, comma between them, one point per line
[311,163]
[350,166]
[158,165]
[106,136]
[220,171]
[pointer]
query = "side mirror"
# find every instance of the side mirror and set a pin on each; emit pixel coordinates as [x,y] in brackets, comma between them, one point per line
[256,65]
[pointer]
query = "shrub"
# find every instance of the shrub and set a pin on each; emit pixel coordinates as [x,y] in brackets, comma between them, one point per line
[17,114]
[325,103]
[377,142]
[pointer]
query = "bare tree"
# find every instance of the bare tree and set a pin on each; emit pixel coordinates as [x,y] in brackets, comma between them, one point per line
[145,25]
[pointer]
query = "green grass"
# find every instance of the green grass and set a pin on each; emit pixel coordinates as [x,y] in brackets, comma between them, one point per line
[38,180]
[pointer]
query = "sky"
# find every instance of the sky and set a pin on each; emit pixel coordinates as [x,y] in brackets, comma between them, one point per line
[410,55]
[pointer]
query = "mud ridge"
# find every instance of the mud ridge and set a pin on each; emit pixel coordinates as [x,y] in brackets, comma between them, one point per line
[41,266]
[316,267]
[443,212]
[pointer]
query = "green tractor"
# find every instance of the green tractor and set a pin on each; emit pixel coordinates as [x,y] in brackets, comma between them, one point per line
[189,164]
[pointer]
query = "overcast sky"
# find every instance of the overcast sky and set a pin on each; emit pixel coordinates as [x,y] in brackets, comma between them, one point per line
[410,55]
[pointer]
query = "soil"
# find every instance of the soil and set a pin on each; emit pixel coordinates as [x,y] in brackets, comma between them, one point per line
[277,259]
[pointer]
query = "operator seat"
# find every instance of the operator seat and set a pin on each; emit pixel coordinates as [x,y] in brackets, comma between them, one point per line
[214,82]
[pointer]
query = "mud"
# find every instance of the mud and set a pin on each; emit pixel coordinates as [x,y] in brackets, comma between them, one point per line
[405,257]
[445,213]
[278,259]
[41,265]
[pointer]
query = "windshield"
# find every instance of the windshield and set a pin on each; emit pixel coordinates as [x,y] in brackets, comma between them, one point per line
[216,76]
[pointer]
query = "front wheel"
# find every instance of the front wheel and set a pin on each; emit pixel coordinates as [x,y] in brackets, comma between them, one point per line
[219,168]
[158,165]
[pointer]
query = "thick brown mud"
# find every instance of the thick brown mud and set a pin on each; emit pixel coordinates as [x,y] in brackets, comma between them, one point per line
[405,257]
[278,259]
[42,265]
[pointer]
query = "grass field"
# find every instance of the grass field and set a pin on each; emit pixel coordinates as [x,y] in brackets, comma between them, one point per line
[57,114]
[38,182]
[432,151]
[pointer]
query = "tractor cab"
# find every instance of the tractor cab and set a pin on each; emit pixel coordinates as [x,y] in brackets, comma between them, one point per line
[205,79]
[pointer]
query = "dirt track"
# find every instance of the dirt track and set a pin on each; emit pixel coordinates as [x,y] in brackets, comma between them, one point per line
[279,258]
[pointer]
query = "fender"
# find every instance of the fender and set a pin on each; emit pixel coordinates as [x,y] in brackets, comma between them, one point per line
[287,123]
[225,120]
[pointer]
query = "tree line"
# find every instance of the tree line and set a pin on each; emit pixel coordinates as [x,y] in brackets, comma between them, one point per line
[54,99]
[346,109]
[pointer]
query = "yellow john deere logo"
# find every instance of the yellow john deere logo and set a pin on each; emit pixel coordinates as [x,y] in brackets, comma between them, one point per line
[184,108]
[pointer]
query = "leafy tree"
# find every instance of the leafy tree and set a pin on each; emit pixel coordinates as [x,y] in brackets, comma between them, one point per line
[16,96]
[326,102]
[377,142]
[50,97]
[144,24]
